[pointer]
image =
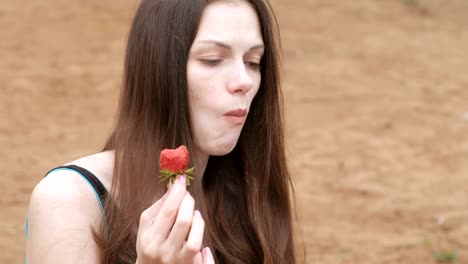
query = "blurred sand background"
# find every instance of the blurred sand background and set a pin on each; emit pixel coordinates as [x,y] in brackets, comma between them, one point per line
[376,106]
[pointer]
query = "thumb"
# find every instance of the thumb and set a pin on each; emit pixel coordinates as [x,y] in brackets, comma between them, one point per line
[151,212]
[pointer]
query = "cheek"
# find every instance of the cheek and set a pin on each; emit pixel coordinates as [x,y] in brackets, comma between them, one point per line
[195,90]
[200,86]
[254,91]
[202,106]
[202,111]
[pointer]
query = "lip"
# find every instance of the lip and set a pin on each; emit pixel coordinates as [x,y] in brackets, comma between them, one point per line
[236,116]
[237,112]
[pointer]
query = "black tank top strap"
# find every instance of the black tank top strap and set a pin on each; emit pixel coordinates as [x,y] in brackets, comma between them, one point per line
[92,179]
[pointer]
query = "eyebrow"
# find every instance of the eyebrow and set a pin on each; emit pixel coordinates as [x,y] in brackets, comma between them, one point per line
[226,46]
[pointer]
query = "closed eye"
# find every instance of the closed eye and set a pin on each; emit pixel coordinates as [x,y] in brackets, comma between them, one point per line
[253,65]
[210,62]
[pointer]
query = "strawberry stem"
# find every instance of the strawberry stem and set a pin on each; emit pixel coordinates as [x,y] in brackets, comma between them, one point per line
[171,176]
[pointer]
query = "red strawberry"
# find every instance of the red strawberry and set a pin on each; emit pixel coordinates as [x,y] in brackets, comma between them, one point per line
[173,162]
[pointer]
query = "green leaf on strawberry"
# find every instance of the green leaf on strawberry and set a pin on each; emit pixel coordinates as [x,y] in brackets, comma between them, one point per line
[173,162]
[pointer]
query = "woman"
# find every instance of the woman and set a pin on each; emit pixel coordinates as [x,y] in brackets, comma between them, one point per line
[203,74]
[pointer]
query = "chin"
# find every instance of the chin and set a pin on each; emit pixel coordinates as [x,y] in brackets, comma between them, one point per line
[222,148]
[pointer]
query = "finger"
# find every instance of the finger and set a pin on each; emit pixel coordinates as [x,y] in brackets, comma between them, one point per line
[164,197]
[207,256]
[195,237]
[183,222]
[167,213]
[148,216]
[198,259]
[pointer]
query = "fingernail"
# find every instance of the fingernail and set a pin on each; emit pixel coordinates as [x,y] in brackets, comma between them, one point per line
[182,179]
[197,213]
[207,251]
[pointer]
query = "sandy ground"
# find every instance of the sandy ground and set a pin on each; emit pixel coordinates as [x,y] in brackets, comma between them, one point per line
[376,107]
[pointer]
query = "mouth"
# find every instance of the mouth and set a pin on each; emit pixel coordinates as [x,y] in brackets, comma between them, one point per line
[236,116]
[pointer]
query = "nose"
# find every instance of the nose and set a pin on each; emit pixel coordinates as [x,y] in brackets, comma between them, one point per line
[241,82]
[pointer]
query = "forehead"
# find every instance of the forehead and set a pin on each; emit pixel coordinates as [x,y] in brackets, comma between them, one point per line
[230,21]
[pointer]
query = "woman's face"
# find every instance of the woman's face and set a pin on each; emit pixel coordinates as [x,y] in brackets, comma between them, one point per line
[223,74]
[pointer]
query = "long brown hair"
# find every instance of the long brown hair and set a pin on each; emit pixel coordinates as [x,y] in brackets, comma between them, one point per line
[244,196]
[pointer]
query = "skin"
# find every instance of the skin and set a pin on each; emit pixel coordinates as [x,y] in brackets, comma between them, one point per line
[223,64]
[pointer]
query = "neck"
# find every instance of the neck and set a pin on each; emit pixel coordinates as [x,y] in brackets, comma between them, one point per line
[200,164]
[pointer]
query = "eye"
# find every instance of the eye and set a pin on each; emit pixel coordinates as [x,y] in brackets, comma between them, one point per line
[211,62]
[253,65]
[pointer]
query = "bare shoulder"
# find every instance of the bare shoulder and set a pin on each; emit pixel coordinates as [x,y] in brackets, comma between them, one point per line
[100,164]
[63,210]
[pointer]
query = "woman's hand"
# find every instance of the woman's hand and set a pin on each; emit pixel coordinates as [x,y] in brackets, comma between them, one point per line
[171,231]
